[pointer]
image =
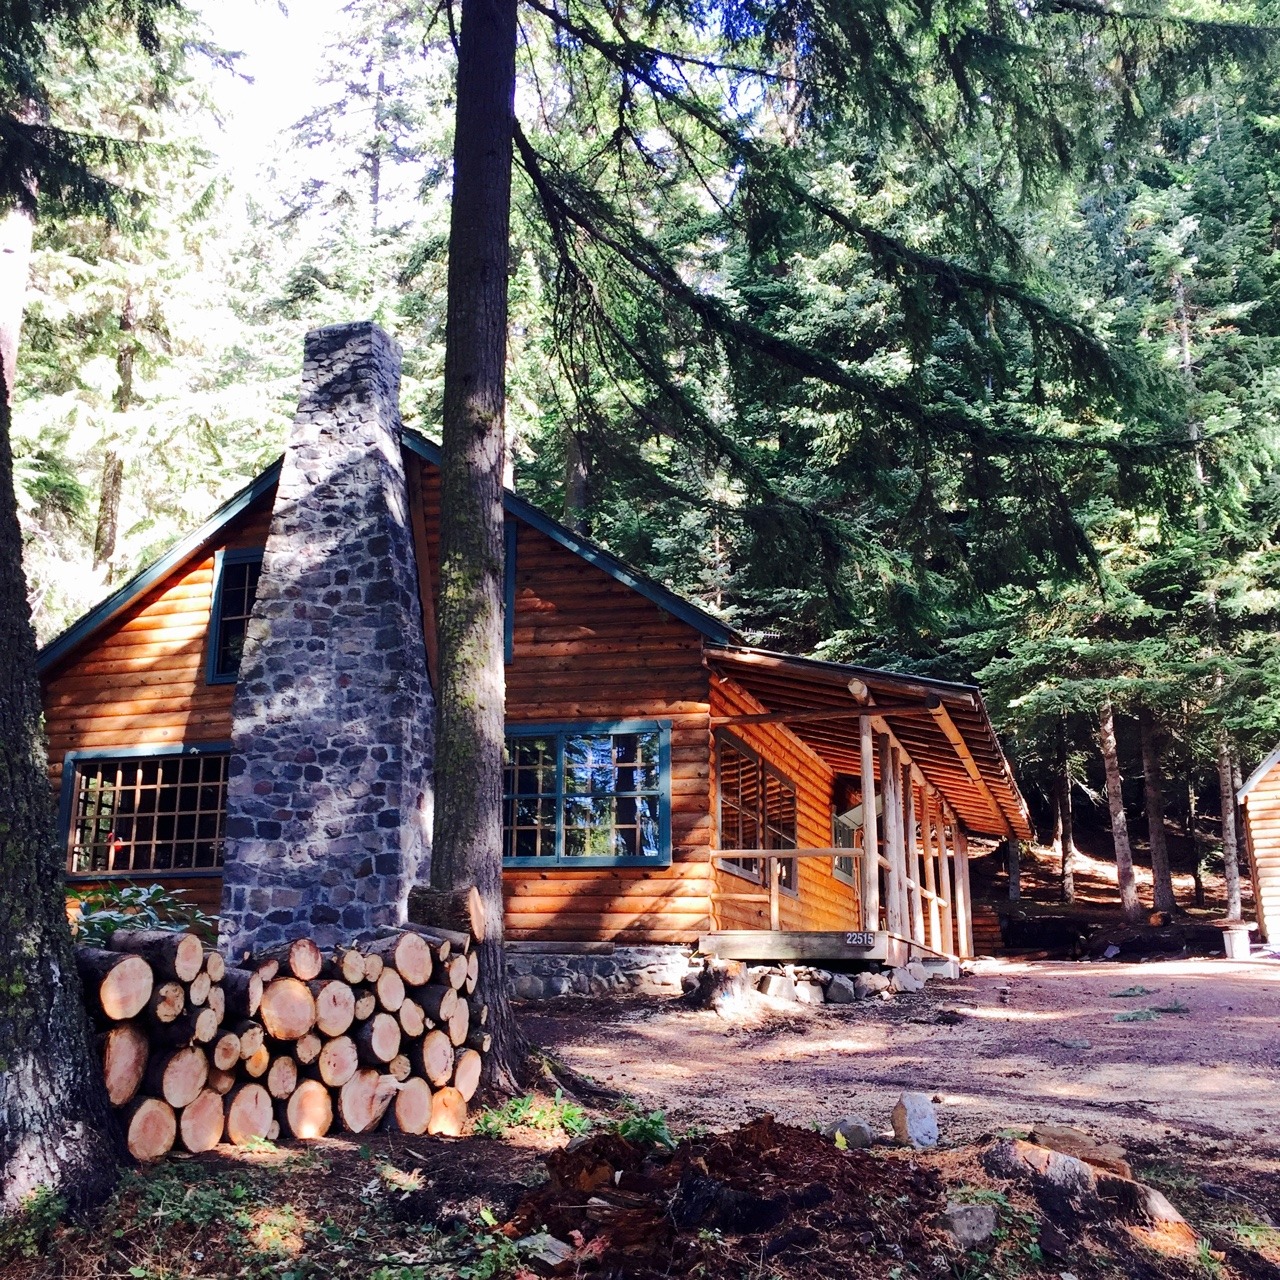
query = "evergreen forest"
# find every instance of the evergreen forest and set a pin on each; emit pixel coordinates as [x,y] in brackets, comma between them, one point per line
[937,338]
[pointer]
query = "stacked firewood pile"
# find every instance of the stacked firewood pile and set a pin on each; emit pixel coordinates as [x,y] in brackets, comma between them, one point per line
[382,1032]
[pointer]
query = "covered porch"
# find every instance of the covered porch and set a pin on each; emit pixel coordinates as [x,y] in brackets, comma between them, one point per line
[917,770]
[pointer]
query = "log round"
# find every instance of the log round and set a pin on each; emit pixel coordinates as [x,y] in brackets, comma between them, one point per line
[201,1123]
[364,1099]
[251,1036]
[243,992]
[473,972]
[225,1052]
[288,1009]
[461,910]
[179,1076]
[218,1001]
[459,1023]
[150,1128]
[433,1058]
[256,1064]
[479,1040]
[124,1061]
[438,1002]
[366,1004]
[307,1048]
[373,967]
[282,1076]
[348,964]
[199,988]
[448,1113]
[337,1061]
[221,1082]
[390,989]
[378,1040]
[117,985]
[413,1022]
[456,971]
[206,1026]
[299,959]
[466,1073]
[170,955]
[309,1111]
[265,969]
[335,1005]
[214,965]
[167,1003]
[407,953]
[248,1114]
[413,1106]
[400,1068]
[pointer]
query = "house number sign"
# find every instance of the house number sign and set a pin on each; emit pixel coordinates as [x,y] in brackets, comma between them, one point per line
[859,939]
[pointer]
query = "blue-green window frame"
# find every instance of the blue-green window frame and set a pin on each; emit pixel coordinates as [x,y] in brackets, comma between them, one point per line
[245,555]
[570,728]
[67,799]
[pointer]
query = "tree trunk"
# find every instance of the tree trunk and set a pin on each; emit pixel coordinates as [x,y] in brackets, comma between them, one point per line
[1013,864]
[468,807]
[1129,904]
[1065,833]
[575,482]
[1153,792]
[56,1128]
[1230,846]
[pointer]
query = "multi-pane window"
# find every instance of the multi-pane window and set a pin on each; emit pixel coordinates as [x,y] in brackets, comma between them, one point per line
[147,813]
[757,809]
[590,794]
[237,585]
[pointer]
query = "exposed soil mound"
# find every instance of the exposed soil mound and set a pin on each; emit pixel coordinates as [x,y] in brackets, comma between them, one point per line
[716,1207]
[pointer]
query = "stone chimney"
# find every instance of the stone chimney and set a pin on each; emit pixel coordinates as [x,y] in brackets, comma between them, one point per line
[329,800]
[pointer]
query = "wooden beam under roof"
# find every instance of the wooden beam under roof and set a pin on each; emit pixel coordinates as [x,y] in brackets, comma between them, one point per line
[814,715]
[956,738]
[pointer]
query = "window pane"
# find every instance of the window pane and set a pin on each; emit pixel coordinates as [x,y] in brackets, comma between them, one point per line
[237,587]
[147,814]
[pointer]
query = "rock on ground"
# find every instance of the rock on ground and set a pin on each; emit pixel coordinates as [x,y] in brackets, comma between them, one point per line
[971,1224]
[841,990]
[1061,1182]
[915,1122]
[856,1132]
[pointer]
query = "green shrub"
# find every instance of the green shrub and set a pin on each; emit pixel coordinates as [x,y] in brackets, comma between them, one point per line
[97,913]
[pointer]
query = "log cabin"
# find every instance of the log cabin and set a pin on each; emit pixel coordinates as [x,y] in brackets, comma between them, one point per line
[1260,797]
[666,782]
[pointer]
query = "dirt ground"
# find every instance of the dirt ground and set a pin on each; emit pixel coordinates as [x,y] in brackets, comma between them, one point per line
[1010,1044]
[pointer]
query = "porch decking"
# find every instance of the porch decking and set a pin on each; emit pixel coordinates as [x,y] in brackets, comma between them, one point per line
[808,946]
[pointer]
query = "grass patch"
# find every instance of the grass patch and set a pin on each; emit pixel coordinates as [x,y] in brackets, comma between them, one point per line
[555,1116]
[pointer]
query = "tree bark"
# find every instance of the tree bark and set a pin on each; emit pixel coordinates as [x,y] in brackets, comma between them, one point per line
[1013,864]
[575,482]
[468,807]
[1130,906]
[1163,898]
[56,1128]
[1230,845]
[1064,833]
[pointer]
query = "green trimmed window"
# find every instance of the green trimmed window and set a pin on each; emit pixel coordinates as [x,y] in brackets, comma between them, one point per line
[236,575]
[145,811]
[582,795]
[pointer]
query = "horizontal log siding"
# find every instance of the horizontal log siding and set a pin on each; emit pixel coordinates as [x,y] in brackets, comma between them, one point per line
[142,680]
[1262,838]
[587,647]
[824,902]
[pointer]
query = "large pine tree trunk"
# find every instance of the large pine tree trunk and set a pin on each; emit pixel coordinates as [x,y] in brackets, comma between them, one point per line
[1064,833]
[1153,793]
[1130,906]
[468,808]
[56,1129]
[1230,844]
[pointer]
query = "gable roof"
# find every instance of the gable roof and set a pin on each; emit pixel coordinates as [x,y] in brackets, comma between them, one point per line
[62,646]
[157,571]
[1258,774]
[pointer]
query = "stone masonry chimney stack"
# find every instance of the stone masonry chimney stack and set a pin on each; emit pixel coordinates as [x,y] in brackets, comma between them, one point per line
[329,800]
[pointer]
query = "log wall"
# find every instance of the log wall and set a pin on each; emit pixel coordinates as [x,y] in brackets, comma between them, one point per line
[1262,840]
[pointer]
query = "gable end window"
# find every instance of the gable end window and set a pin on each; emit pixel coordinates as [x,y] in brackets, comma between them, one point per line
[587,795]
[235,584]
[757,810]
[149,810]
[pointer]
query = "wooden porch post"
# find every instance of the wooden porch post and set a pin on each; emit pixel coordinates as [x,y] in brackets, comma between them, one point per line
[870,835]
[964,904]
[772,867]
[891,781]
[946,886]
[930,834]
[913,858]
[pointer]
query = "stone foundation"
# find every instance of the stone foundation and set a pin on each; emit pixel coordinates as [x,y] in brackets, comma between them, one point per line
[655,971]
[329,798]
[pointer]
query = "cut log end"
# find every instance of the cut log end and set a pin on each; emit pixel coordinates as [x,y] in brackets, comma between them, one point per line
[448,1113]
[249,1114]
[433,1058]
[117,985]
[337,1061]
[466,1073]
[309,1112]
[288,1009]
[171,955]
[225,1052]
[364,1099]
[151,1128]
[413,1106]
[461,910]
[282,1076]
[335,1005]
[124,1062]
[202,1120]
[179,1076]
